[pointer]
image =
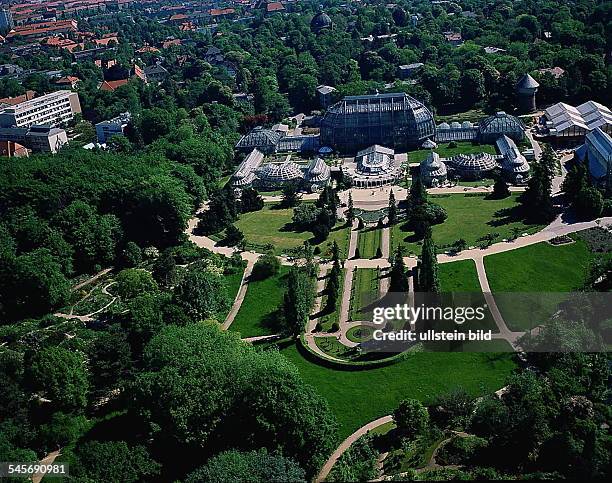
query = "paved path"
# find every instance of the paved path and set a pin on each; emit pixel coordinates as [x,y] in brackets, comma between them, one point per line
[244,285]
[47,460]
[385,241]
[347,443]
[353,240]
[92,279]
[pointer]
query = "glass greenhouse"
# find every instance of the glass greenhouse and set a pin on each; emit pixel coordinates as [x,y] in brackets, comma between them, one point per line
[493,127]
[472,166]
[393,120]
[275,175]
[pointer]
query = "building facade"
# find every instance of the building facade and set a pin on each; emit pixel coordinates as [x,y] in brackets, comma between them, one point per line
[52,109]
[597,149]
[395,120]
[114,127]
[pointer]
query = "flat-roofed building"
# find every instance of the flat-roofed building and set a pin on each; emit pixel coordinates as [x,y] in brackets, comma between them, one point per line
[52,109]
[40,139]
[113,127]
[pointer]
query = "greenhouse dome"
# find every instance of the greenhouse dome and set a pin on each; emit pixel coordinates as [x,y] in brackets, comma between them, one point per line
[393,120]
[279,174]
[492,127]
[433,170]
[472,166]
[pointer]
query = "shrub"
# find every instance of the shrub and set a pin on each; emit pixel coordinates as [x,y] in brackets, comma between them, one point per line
[132,282]
[266,266]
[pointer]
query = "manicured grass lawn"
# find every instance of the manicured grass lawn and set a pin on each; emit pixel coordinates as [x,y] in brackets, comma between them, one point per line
[232,282]
[357,397]
[369,242]
[469,217]
[445,151]
[272,225]
[257,314]
[328,319]
[458,276]
[544,270]
[364,292]
[471,115]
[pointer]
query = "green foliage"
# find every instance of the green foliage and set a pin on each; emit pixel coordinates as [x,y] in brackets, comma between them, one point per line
[256,466]
[133,282]
[298,300]
[411,417]
[256,399]
[588,203]
[131,255]
[59,375]
[428,268]
[202,294]
[357,463]
[398,278]
[266,266]
[113,461]
[63,429]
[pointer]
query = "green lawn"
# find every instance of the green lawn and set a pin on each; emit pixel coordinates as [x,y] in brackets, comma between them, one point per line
[364,292]
[327,319]
[272,225]
[257,314]
[357,397]
[541,273]
[369,242]
[233,282]
[463,147]
[469,217]
[472,115]
[459,276]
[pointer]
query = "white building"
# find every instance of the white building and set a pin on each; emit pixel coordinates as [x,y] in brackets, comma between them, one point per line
[113,127]
[565,121]
[372,167]
[40,139]
[51,109]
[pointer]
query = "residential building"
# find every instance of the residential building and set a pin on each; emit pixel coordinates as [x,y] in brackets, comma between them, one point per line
[156,73]
[113,127]
[409,70]
[51,109]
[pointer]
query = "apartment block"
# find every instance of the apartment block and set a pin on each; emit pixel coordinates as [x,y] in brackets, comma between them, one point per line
[51,109]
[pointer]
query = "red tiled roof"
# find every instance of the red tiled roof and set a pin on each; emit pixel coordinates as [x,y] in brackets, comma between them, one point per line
[12,149]
[215,12]
[18,99]
[274,7]
[112,85]
[170,43]
[178,16]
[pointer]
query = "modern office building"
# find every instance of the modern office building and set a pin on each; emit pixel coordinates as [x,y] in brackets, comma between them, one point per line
[113,127]
[52,109]
[395,120]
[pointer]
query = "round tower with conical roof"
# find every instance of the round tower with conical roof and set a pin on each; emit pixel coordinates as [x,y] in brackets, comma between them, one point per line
[320,22]
[526,89]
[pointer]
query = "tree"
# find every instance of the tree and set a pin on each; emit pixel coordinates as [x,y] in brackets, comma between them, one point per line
[576,179]
[143,320]
[33,284]
[500,189]
[202,294]
[131,255]
[291,196]
[255,466]
[392,215]
[164,269]
[59,375]
[257,400]
[536,200]
[418,193]
[266,266]
[472,84]
[304,215]
[132,282]
[113,461]
[233,236]
[109,358]
[398,279]
[298,300]
[428,270]
[250,200]
[350,212]
[588,203]
[411,418]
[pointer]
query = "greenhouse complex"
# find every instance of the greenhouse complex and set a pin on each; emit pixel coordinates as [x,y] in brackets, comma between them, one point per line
[366,139]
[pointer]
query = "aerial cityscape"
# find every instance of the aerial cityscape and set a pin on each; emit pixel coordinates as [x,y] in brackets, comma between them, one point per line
[305,241]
